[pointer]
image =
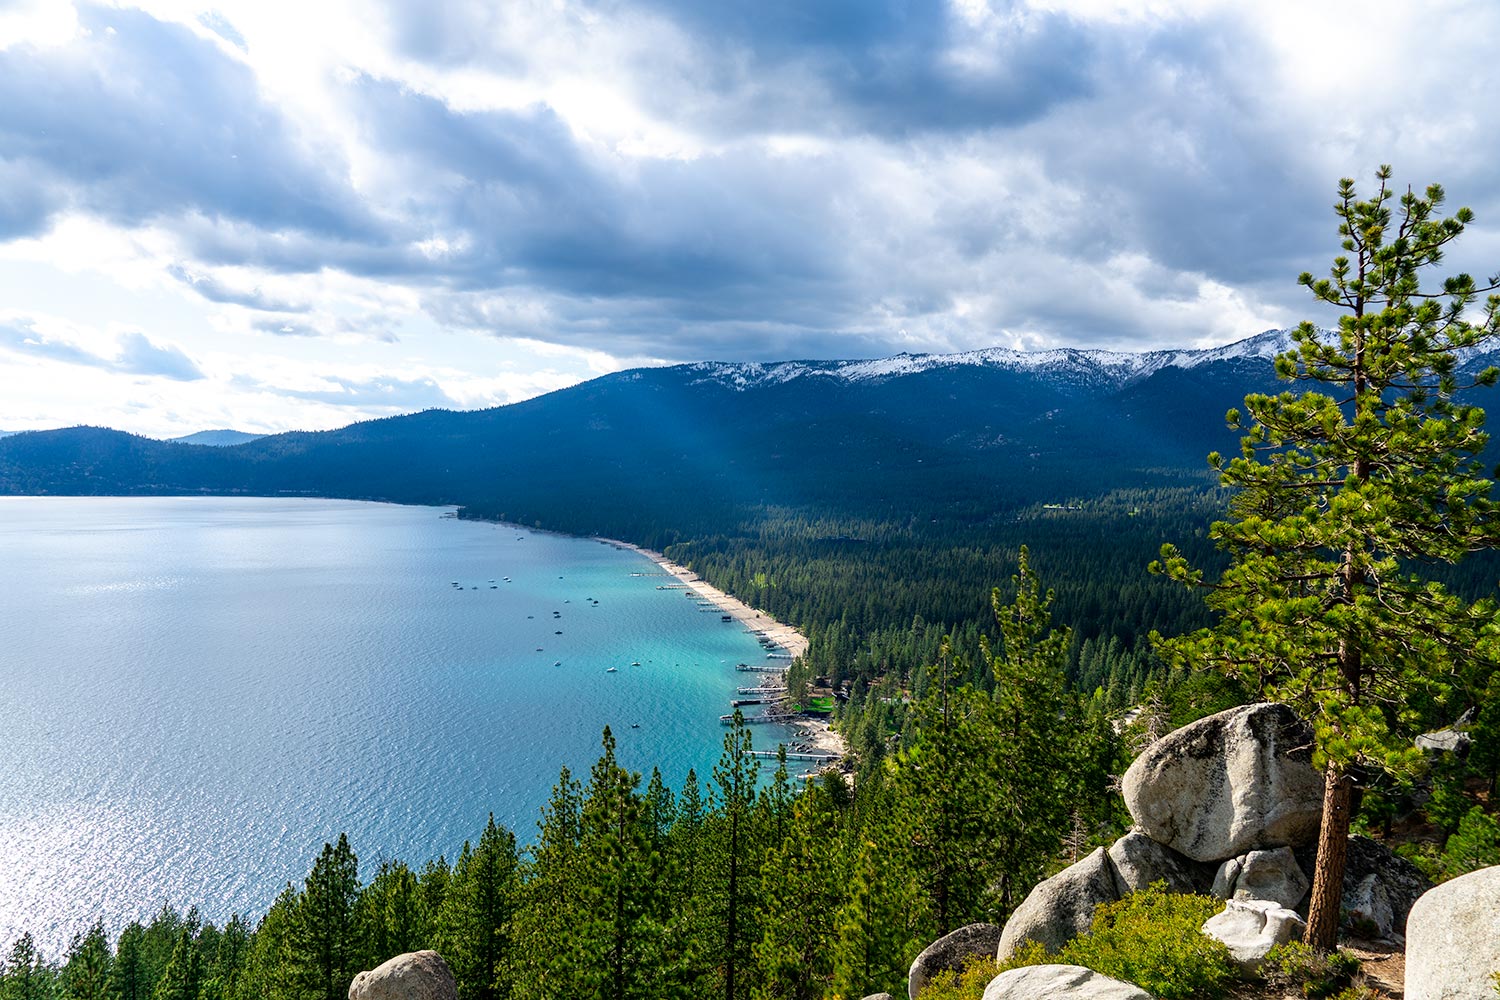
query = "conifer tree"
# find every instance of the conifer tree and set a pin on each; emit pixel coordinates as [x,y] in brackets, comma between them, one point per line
[944,792]
[1339,498]
[1040,753]
[227,962]
[128,979]
[270,961]
[326,942]
[545,961]
[477,913]
[622,923]
[801,889]
[432,890]
[182,979]
[86,974]
[25,975]
[734,865]
[880,922]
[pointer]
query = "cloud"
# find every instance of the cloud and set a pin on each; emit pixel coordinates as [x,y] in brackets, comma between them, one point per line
[139,119]
[215,290]
[382,393]
[135,353]
[139,356]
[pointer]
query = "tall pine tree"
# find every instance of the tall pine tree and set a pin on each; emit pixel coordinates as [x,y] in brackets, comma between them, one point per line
[1340,497]
[326,942]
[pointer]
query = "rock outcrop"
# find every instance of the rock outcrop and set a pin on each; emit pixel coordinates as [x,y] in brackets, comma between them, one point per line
[1250,928]
[950,953]
[1139,861]
[1234,782]
[1453,939]
[1269,875]
[417,975]
[1059,982]
[1061,907]
[1380,886]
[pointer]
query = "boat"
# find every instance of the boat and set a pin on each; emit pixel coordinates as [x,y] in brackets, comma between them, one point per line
[557,663]
[612,670]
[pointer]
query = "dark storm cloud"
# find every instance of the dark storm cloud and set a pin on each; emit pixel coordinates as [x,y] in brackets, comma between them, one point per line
[137,355]
[710,236]
[141,120]
[885,66]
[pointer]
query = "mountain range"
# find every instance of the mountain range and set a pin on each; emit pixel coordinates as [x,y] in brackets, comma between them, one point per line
[912,439]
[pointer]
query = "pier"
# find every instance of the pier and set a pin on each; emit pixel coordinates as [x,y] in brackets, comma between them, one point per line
[752,720]
[748,669]
[821,758]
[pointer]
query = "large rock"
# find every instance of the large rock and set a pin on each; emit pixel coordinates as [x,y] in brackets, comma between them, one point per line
[950,953]
[1139,861]
[1059,982]
[1234,782]
[1453,939]
[417,975]
[1250,928]
[1380,887]
[1271,875]
[1445,741]
[1061,907]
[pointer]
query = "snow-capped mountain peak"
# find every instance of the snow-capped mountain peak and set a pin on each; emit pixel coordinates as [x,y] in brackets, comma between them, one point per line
[1092,367]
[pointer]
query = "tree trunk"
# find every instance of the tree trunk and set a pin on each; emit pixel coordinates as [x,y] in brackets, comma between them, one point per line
[1328,873]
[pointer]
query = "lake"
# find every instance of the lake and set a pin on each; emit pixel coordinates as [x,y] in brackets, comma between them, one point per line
[196,693]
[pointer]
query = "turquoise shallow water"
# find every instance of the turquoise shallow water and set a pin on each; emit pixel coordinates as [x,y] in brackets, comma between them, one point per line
[196,693]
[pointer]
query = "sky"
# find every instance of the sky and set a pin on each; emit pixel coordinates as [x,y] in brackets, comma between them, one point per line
[277,215]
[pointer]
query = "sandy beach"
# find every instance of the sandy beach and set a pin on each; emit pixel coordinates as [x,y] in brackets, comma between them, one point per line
[815,733]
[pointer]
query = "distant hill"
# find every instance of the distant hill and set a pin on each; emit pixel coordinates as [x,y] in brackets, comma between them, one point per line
[942,438]
[218,439]
[658,454]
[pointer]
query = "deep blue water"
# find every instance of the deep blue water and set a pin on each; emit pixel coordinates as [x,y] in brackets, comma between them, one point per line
[196,693]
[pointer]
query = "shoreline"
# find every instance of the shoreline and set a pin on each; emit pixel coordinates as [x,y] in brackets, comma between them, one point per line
[815,732]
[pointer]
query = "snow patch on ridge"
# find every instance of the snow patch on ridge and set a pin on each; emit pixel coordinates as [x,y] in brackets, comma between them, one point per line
[1087,366]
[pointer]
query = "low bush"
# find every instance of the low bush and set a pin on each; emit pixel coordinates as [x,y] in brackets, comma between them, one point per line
[1317,975]
[1151,938]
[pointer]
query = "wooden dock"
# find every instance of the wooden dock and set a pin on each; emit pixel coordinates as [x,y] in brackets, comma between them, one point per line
[821,758]
[753,720]
[748,669]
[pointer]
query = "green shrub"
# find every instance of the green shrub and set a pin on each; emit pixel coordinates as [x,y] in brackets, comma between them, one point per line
[966,985]
[1318,975]
[1151,938]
